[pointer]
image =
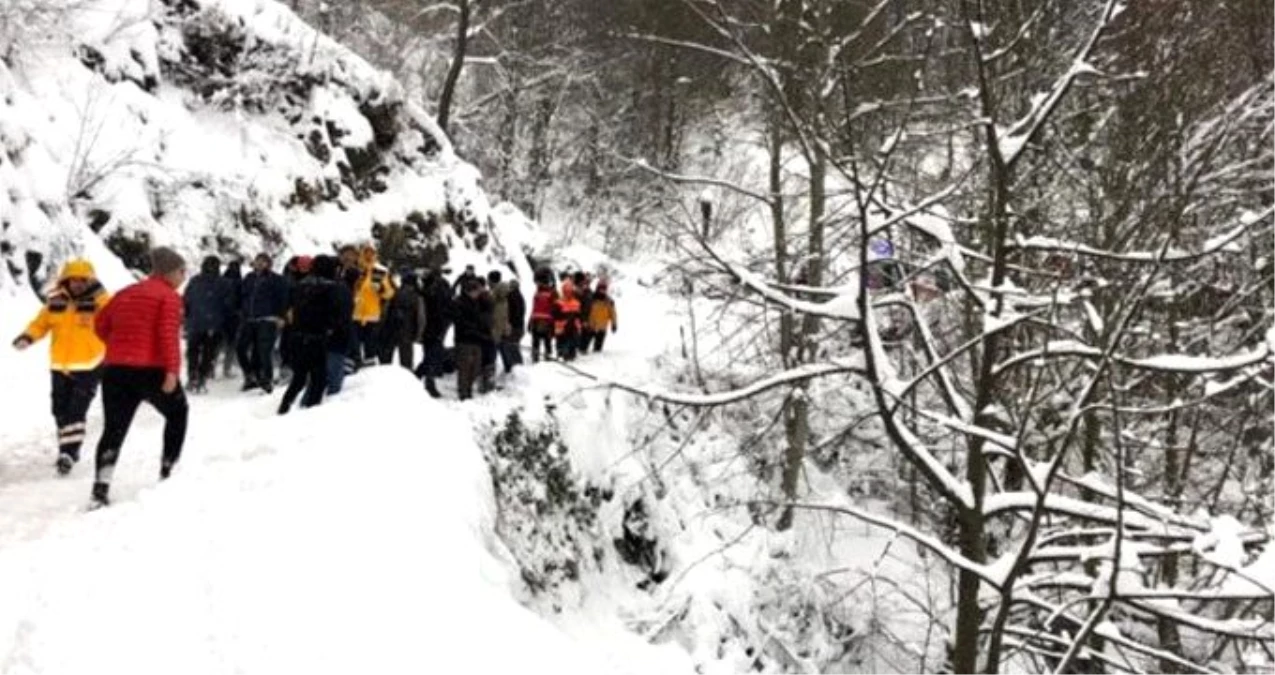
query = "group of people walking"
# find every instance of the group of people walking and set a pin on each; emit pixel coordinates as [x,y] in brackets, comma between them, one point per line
[324,317]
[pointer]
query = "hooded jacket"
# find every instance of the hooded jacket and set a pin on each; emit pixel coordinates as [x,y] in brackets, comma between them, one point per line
[74,346]
[500,311]
[602,311]
[373,290]
[209,302]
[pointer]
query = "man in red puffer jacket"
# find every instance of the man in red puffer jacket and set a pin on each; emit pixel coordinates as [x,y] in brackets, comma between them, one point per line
[141,327]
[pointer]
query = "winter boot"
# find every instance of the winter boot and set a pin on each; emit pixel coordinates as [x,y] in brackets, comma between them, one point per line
[65,462]
[432,389]
[100,495]
[165,470]
[249,384]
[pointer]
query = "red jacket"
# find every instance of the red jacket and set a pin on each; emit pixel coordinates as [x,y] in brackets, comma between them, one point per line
[543,303]
[141,327]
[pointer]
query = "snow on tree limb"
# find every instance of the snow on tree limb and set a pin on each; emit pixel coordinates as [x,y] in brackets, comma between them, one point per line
[1212,246]
[1165,363]
[791,376]
[1015,140]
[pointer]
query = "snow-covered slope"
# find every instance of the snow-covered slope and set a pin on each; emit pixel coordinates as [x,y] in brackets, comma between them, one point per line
[321,542]
[214,126]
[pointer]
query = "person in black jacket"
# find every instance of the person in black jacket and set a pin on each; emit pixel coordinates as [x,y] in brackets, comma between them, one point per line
[338,344]
[317,321]
[458,286]
[404,324]
[207,301]
[511,352]
[472,331]
[264,300]
[437,294]
[233,275]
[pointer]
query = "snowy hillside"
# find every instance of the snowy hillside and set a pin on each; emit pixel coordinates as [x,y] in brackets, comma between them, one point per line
[305,543]
[224,126]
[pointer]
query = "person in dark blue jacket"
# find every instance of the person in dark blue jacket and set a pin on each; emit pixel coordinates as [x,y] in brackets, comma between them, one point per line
[329,268]
[208,303]
[234,278]
[263,304]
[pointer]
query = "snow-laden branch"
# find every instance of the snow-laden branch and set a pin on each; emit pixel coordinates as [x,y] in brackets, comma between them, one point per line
[791,376]
[698,180]
[1166,363]
[840,307]
[1212,246]
[1057,504]
[1015,140]
[985,572]
[1116,638]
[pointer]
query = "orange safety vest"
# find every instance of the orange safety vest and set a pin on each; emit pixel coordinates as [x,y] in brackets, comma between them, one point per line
[568,315]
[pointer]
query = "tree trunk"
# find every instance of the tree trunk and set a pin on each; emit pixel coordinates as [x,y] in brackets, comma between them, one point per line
[458,63]
[798,419]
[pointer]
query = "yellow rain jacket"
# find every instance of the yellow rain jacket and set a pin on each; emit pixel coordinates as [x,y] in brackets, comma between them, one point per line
[374,290]
[601,314]
[74,347]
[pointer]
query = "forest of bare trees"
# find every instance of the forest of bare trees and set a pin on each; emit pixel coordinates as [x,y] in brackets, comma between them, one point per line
[1068,349]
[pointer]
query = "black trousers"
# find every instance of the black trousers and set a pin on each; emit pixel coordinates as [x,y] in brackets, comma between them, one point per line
[309,371]
[73,392]
[201,355]
[599,338]
[123,390]
[510,355]
[469,366]
[256,350]
[406,352]
[585,340]
[567,344]
[539,341]
[371,347]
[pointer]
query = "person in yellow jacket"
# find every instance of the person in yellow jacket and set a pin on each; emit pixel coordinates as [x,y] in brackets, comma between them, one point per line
[601,316]
[372,294]
[75,352]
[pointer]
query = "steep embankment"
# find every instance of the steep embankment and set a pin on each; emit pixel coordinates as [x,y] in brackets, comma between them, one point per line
[215,126]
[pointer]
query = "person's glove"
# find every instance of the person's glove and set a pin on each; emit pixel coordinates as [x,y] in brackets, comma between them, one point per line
[21,342]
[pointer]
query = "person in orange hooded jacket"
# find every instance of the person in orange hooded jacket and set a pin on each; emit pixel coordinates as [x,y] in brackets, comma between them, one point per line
[566,321]
[75,352]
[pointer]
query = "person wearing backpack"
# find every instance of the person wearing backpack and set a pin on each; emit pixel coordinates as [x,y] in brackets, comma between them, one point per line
[437,296]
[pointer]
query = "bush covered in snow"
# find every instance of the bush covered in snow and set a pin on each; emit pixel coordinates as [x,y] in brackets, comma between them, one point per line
[547,516]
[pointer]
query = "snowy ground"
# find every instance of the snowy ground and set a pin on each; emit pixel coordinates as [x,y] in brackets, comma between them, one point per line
[351,538]
[360,536]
